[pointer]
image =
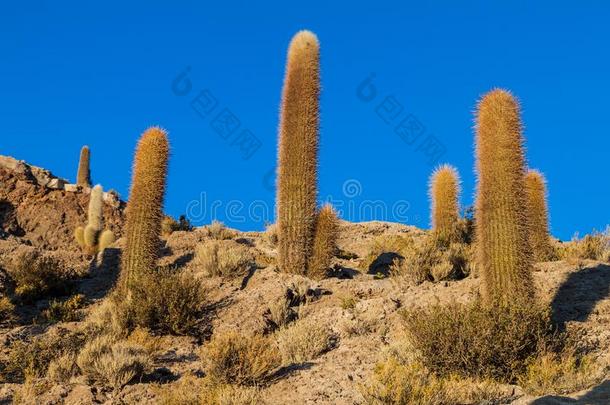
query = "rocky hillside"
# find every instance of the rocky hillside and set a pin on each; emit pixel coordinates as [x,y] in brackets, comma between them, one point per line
[355,313]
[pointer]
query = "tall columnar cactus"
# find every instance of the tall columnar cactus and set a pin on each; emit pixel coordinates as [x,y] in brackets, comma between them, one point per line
[325,242]
[298,154]
[503,254]
[540,241]
[83,177]
[145,206]
[91,238]
[444,200]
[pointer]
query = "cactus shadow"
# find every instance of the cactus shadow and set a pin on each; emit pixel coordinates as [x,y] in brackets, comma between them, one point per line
[579,293]
[599,395]
[103,274]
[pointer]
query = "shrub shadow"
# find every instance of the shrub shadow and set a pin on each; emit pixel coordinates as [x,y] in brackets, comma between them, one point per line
[577,296]
[286,371]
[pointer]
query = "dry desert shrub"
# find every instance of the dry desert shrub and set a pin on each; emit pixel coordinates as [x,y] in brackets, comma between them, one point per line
[217,230]
[304,340]
[234,358]
[31,358]
[113,363]
[432,260]
[476,341]
[143,338]
[165,301]
[65,311]
[169,225]
[168,301]
[225,258]
[280,313]
[6,310]
[270,235]
[37,275]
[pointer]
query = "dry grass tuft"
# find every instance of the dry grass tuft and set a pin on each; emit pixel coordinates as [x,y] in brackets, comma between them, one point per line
[190,390]
[108,362]
[63,368]
[304,340]
[560,373]
[217,230]
[233,358]
[31,359]
[595,246]
[270,235]
[224,258]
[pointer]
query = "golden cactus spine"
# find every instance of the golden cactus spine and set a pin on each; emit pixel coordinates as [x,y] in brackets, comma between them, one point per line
[298,154]
[144,211]
[540,241]
[324,244]
[444,201]
[83,176]
[503,253]
[90,237]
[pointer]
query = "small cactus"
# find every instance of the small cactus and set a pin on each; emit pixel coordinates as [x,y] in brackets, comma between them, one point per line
[83,177]
[444,199]
[89,236]
[145,206]
[503,254]
[535,187]
[297,176]
[324,244]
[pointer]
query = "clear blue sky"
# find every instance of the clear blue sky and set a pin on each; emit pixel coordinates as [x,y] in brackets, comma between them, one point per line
[74,74]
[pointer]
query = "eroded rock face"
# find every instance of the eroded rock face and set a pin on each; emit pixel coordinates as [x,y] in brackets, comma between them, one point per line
[36,207]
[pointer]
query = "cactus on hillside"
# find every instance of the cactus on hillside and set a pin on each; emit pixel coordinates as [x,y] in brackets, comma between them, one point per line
[89,236]
[144,210]
[325,242]
[298,154]
[540,241]
[444,201]
[503,253]
[83,177]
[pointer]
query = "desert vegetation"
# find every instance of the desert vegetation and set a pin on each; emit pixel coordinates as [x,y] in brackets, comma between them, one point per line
[485,307]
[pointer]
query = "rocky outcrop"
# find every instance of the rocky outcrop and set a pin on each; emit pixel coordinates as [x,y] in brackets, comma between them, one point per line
[43,210]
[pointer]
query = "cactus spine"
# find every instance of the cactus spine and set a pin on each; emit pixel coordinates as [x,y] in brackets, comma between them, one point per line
[83,177]
[444,199]
[298,154]
[535,187]
[503,252]
[89,237]
[325,242]
[144,208]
